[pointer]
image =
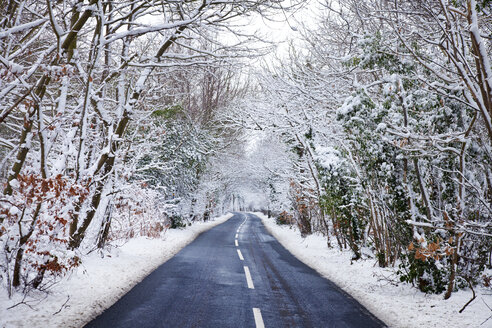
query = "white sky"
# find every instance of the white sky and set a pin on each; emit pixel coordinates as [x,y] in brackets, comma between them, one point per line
[281,28]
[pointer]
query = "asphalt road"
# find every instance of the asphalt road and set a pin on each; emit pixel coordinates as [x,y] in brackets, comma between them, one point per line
[236,275]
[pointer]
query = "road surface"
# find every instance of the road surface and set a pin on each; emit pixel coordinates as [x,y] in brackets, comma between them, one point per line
[235,275]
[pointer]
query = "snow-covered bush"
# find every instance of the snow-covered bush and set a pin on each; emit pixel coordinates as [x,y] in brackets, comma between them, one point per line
[34,234]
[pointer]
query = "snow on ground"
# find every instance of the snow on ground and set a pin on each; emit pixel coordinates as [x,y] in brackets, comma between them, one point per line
[99,282]
[379,290]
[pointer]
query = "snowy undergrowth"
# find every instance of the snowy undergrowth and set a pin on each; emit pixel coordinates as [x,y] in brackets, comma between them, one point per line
[378,289]
[100,281]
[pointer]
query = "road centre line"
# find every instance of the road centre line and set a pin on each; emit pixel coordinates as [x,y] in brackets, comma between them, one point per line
[249,280]
[240,255]
[258,318]
[236,236]
[235,242]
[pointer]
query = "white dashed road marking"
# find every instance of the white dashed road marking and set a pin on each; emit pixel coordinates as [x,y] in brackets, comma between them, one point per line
[236,236]
[235,242]
[249,280]
[258,318]
[240,255]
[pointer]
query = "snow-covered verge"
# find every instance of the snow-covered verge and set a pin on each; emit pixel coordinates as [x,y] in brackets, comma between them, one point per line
[100,281]
[378,289]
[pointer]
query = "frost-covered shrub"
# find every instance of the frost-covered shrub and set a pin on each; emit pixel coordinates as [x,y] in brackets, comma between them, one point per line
[424,274]
[284,218]
[137,211]
[35,230]
[341,199]
[177,221]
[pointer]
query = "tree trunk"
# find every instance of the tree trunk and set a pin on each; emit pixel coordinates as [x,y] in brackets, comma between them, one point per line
[454,262]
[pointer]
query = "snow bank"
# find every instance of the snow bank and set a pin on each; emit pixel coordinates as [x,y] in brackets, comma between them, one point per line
[379,290]
[99,282]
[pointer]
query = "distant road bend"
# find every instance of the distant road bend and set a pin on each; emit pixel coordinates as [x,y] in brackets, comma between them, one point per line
[236,275]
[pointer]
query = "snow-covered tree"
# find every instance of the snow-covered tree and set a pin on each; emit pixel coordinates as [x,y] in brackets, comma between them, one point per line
[80,79]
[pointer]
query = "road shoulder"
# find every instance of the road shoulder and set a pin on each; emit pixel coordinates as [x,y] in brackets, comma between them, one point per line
[100,281]
[395,303]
